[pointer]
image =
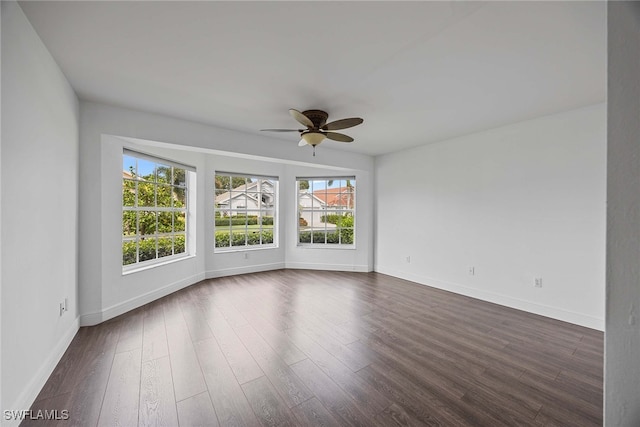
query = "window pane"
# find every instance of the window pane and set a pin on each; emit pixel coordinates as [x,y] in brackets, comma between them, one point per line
[164,196]
[164,174]
[146,194]
[318,237]
[128,193]
[128,252]
[267,236]
[165,246]
[179,197]
[179,221]
[253,237]
[165,220]
[346,236]
[146,170]
[147,248]
[179,177]
[146,223]
[179,244]
[238,238]
[222,239]
[128,166]
[129,223]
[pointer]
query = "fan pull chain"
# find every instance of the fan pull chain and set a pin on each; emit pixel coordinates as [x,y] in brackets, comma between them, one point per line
[314,151]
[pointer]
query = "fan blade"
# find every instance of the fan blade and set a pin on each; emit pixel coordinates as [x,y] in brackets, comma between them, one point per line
[301,118]
[343,124]
[302,143]
[338,136]
[281,130]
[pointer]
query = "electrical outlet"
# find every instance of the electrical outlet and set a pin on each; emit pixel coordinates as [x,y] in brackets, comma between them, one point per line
[472,271]
[246,255]
[408,260]
[537,282]
[63,306]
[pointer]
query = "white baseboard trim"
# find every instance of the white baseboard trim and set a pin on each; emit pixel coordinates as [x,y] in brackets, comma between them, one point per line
[328,267]
[33,387]
[528,306]
[212,274]
[132,303]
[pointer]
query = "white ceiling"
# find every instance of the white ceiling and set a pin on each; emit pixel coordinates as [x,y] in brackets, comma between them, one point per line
[417,72]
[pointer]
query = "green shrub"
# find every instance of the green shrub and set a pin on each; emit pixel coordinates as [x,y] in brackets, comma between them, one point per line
[222,238]
[128,252]
[166,247]
[242,220]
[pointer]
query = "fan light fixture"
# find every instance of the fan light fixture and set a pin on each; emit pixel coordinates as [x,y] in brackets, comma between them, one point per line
[313,138]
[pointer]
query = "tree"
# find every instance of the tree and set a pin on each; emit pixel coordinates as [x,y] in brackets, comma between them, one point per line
[222,182]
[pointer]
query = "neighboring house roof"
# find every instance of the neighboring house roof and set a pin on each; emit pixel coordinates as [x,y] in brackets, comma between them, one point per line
[340,196]
[239,191]
[127,174]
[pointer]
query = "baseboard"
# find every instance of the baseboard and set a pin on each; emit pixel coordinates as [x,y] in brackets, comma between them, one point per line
[328,267]
[212,274]
[507,301]
[33,387]
[130,304]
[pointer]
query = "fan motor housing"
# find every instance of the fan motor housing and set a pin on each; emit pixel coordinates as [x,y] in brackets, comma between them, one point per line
[318,117]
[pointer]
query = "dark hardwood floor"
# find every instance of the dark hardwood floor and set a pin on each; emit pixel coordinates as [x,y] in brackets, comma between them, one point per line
[316,348]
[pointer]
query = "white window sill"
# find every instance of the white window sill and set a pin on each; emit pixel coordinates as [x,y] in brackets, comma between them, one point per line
[156,263]
[227,250]
[326,246]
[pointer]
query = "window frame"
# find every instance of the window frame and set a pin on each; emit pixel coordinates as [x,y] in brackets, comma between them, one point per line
[260,212]
[323,210]
[174,211]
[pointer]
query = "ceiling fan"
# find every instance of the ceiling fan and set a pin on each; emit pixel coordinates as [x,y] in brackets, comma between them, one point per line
[317,127]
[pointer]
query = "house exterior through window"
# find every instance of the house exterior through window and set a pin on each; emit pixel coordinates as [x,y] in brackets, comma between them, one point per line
[245,211]
[326,211]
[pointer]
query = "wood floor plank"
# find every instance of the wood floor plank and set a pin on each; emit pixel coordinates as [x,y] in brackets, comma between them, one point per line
[154,335]
[187,375]
[131,331]
[288,385]
[157,400]
[368,399]
[120,404]
[267,405]
[238,356]
[229,401]
[313,413]
[330,395]
[197,411]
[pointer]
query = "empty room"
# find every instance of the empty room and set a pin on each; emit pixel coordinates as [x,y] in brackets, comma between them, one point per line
[230,213]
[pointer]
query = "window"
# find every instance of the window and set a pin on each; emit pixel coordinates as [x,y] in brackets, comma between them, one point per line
[154,209]
[326,211]
[245,211]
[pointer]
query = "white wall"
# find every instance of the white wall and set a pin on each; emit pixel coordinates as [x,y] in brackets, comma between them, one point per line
[105,292]
[517,202]
[39,211]
[622,348]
